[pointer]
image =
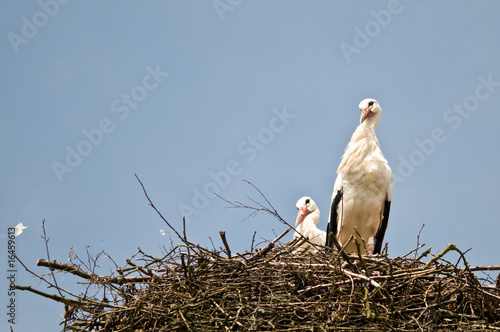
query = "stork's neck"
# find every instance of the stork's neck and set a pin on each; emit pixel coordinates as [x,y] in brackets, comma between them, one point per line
[362,146]
[310,220]
[315,216]
[371,122]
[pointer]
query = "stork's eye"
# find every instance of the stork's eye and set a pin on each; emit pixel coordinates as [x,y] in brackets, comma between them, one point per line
[371,103]
[307,201]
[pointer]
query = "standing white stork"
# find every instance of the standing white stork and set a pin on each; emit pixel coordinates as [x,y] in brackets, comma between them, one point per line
[305,225]
[362,193]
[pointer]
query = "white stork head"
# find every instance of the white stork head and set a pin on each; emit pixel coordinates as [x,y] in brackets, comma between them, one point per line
[307,207]
[370,112]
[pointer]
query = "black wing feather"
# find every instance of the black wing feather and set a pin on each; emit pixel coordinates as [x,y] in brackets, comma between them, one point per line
[332,223]
[379,238]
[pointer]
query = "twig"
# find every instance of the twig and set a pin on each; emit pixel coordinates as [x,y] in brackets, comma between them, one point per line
[158,212]
[450,246]
[184,228]
[253,241]
[81,304]
[413,250]
[485,268]
[82,274]
[223,237]
[341,251]
[418,240]
[271,210]
[424,254]
[50,296]
[64,267]
[267,248]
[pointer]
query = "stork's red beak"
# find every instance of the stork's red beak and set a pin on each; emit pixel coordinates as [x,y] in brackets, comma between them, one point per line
[364,114]
[303,212]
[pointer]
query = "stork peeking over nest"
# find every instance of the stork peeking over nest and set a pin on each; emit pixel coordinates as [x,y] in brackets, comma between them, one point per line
[362,193]
[305,225]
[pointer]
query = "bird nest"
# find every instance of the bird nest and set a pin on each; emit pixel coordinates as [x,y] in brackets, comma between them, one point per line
[276,287]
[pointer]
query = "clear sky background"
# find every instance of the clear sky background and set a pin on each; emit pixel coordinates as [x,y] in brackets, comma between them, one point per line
[182,92]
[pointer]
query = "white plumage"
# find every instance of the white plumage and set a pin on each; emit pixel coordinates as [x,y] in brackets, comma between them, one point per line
[305,225]
[362,193]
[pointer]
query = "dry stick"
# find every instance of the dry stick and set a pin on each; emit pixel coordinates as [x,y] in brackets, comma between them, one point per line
[358,246]
[369,313]
[424,254]
[267,248]
[360,257]
[253,241]
[64,267]
[223,237]
[161,216]
[341,250]
[370,279]
[272,210]
[137,268]
[418,240]
[185,321]
[473,286]
[485,268]
[46,240]
[42,278]
[184,267]
[82,274]
[450,246]
[276,214]
[296,243]
[75,303]
[56,298]
[262,208]
[413,250]
[184,228]
[157,260]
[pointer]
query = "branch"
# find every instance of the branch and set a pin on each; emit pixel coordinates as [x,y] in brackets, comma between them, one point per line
[56,298]
[82,274]
[270,246]
[82,304]
[64,267]
[418,240]
[223,237]
[262,208]
[161,216]
[340,250]
[485,268]
[450,246]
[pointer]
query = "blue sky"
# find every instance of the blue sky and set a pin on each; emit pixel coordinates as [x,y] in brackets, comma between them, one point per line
[195,97]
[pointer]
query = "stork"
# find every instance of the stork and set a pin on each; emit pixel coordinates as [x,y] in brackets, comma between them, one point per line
[305,225]
[362,193]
